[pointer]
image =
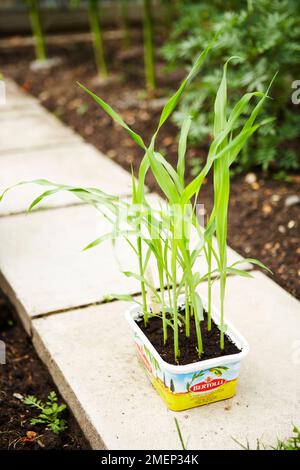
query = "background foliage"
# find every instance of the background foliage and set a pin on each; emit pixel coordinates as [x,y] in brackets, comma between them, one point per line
[266,35]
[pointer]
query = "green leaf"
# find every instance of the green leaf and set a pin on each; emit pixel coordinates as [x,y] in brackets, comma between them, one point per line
[199,307]
[239,272]
[182,148]
[169,168]
[163,178]
[252,261]
[123,297]
[143,279]
[173,101]
[109,236]
[115,116]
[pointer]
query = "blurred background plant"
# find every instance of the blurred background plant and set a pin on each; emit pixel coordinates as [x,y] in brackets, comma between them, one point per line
[266,36]
[93,7]
[37,31]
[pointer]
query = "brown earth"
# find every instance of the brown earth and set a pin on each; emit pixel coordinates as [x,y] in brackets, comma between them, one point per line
[24,374]
[188,345]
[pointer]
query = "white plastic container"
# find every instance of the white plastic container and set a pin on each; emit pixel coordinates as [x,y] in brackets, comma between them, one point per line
[183,387]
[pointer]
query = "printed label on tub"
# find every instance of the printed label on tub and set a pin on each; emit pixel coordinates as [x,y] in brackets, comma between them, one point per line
[182,391]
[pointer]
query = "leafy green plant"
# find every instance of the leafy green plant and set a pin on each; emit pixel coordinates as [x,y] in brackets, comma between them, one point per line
[37,31]
[292,443]
[265,34]
[164,234]
[49,412]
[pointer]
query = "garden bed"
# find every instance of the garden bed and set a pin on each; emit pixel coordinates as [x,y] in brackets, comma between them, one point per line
[24,374]
[262,223]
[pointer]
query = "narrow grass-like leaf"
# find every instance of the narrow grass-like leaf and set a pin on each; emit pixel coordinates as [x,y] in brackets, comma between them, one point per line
[173,101]
[252,261]
[115,116]
[108,236]
[182,148]
[239,272]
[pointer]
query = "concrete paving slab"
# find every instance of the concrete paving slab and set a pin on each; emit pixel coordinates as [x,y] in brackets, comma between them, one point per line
[24,129]
[90,354]
[17,98]
[42,261]
[80,165]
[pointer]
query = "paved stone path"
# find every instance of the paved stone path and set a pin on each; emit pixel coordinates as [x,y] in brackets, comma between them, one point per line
[58,291]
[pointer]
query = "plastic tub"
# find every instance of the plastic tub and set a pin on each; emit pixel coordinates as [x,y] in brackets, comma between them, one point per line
[183,387]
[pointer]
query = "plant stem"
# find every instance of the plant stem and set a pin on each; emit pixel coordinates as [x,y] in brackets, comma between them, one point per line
[97,37]
[222,298]
[209,257]
[193,301]
[163,306]
[37,31]
[125,23]
[198,328]
[187,312]
[143,287]
[148,46]
[175,320]
[175,309]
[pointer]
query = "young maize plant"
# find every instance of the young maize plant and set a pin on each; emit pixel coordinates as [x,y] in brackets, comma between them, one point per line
[37,31]
[148,46]
[96,32]
[93,10]
[229,146]
[164,235]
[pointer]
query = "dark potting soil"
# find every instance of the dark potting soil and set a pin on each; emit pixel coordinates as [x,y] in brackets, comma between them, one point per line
[187,346]
[262,223]
[24,374]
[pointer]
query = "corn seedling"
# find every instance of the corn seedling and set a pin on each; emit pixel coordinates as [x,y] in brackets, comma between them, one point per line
[49,412]
[96,32]
[148,46]
[37,31]
[164,235]
[93,10]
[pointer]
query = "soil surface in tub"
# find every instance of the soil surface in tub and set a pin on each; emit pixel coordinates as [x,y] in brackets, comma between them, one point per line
[187,346]
[24,374]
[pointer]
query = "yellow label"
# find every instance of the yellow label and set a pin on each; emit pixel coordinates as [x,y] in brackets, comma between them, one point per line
[184,401]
